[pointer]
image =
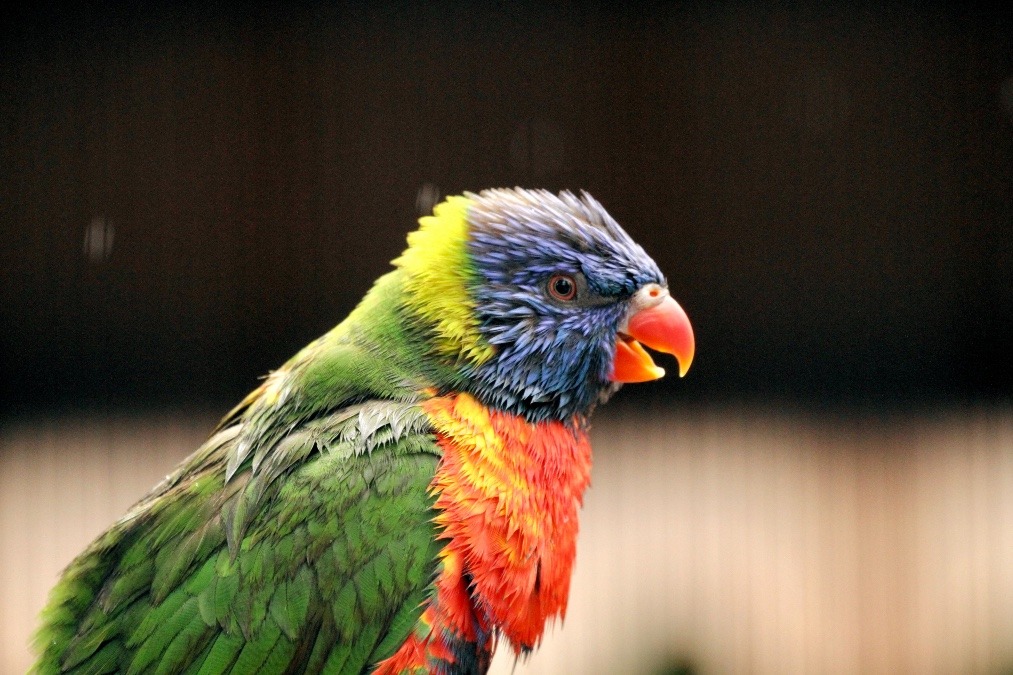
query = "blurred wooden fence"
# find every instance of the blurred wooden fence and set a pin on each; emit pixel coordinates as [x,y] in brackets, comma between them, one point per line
[720,541]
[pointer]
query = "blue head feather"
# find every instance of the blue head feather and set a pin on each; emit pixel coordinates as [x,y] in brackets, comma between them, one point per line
[552,357]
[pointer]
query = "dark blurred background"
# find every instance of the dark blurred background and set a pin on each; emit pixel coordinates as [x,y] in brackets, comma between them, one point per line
[189,193]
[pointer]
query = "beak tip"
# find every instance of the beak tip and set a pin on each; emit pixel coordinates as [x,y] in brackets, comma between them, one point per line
[684,365]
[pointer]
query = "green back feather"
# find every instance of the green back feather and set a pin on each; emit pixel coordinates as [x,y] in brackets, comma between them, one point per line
[300,533]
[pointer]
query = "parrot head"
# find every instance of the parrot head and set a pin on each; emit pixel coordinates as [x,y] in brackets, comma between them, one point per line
[542,302]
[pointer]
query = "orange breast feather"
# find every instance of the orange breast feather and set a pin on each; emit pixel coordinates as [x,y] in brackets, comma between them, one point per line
[508,494]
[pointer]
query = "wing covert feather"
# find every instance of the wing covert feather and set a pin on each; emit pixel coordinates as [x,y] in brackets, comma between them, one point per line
[331,554]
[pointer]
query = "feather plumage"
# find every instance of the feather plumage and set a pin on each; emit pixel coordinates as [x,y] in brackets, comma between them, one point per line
[403,493]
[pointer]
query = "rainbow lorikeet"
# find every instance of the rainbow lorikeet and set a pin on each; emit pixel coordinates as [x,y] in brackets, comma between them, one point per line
[403,493]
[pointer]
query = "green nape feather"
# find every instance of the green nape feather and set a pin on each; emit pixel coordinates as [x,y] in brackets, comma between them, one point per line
[299,537]
[438,275]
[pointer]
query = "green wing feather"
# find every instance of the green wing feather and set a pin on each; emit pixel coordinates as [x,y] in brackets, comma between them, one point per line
[342,550]
[299,538]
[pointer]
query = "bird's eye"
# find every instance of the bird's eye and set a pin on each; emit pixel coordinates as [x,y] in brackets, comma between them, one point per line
[562,287]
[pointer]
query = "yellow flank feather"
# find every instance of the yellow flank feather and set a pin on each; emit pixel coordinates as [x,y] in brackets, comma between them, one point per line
[437,275]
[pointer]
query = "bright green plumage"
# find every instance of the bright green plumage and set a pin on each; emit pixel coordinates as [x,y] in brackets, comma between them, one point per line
[318,550]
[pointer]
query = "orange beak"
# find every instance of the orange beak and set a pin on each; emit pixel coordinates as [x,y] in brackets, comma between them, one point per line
[664,328]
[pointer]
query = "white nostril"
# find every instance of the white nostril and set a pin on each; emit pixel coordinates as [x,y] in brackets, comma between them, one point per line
[648,296]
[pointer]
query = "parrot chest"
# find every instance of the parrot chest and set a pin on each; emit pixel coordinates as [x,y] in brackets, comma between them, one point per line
[508,494]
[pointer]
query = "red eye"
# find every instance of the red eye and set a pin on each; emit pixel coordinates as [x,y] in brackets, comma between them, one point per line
[562,287]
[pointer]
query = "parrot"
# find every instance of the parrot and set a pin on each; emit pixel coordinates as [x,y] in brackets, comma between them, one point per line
[402,495]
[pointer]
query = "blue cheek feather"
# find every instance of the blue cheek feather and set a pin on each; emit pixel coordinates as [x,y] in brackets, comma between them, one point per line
[552,359]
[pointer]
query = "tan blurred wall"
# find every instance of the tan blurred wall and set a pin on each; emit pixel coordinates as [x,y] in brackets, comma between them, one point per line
[734,540]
